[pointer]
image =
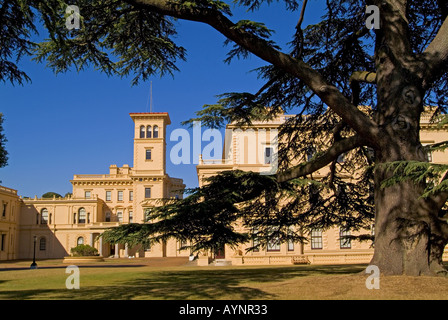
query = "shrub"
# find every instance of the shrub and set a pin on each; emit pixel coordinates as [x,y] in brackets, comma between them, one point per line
[82,250]
[51,195]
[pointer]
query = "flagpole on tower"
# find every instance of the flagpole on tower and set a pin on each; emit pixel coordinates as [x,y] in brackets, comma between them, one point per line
[149,99]
[150,95]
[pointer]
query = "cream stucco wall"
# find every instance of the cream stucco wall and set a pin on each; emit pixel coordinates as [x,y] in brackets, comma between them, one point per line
[9,223]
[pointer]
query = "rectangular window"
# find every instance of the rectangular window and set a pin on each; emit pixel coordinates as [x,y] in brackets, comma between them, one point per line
[316,239]
[345,243]
[147,215]
[120,195]
[183,244]
[82,215]
[274,245]
[87,194]
[2,245]
[131,217]
[290,245]
[120,216]
[256,241]
[268,155]
[4,209]
[310,152]
[42,244]
[147,192]
[148,154]
[428,152]
[108,195]
[274,242]
[44,216]
[131,195]
[290,241]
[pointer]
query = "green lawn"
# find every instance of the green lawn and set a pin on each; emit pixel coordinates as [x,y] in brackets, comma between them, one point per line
[142,279]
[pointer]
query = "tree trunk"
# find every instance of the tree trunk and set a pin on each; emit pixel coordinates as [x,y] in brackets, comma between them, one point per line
[409,236]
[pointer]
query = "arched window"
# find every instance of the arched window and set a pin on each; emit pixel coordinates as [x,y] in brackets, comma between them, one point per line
[44,216]
[142,131]
[42,244]
[80,241]
[156,132]
[82,215]
[148,132]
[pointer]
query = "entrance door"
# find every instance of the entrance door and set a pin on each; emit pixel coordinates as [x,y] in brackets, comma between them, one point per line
[220,253]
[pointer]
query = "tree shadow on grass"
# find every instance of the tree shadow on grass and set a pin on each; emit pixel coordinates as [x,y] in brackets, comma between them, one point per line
[210,284]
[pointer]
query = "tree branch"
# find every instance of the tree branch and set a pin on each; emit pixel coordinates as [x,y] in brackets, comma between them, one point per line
[328,93]
[322,160]
[363,76]
[440,198]
[436,55]
[443,6]
[355,79]
[299,31]
[302,15]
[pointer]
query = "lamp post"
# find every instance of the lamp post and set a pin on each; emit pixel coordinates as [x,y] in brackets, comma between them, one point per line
[34,264]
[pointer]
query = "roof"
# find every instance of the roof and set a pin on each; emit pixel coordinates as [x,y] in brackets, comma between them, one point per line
[150,114]
[143,113]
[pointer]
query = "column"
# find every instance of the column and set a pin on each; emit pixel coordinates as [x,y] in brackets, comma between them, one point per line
[126,250]
[302,249]
[100,249]
[117,253]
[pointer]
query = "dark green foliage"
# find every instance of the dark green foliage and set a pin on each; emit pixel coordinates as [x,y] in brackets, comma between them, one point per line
[16,27]
[51,195]
[213,215]
[3,140]
[206,217]
[131,234]
[114,37]
[83,250]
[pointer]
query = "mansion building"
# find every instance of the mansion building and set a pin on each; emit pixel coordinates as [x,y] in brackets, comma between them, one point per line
[101,201]
[98,202]
[252,148]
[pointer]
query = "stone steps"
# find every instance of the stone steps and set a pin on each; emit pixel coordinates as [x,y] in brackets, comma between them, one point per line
[221,263]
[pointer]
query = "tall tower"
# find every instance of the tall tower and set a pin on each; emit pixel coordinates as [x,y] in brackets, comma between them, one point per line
[150,143]
[149,171]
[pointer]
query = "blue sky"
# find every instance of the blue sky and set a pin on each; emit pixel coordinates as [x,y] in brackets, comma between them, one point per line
[78,123]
